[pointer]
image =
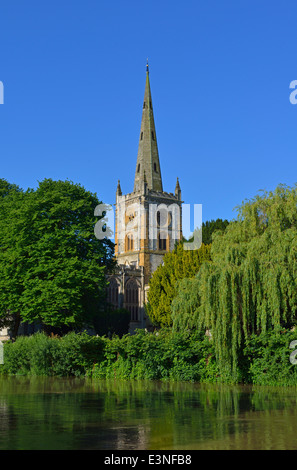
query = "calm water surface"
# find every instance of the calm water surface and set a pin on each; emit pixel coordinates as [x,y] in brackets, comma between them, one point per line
[50,413]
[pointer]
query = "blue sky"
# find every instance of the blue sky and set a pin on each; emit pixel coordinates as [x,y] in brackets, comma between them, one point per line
[220,70]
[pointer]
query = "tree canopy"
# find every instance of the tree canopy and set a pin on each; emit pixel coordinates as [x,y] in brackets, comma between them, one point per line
[52,268]
[211,226]
[176,265]
[249,286]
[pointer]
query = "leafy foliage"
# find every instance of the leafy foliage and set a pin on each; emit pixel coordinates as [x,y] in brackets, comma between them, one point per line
[163,355]
[250,284]
[176,265]
[267,358]
[52,268]
[208,228]
[144,355]
[211,226]
[42,355]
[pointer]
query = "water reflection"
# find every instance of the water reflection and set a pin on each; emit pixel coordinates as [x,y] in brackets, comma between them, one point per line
[55,413]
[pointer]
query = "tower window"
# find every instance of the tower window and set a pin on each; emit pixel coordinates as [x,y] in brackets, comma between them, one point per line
[129,243]
[151,105]
[162,242]
[158,218]
[143,104]
[141,136]
[163,218]
[155,168]
[153,136]
[138,168]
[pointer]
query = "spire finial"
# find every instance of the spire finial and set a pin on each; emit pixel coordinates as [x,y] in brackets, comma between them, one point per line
[119,190]
[147,66]
[177,189]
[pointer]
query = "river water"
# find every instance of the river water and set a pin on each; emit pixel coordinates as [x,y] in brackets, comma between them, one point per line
[56,413]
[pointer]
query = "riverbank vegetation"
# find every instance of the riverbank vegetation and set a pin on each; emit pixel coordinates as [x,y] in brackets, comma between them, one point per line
[164,355]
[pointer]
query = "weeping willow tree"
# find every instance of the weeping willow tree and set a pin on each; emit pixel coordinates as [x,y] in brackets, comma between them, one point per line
[251,283]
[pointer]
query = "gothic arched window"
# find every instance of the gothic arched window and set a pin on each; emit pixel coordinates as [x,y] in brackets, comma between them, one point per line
[113,292]
[132,299]
[163,241]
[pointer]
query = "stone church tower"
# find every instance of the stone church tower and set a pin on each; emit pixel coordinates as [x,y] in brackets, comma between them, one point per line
[148,223]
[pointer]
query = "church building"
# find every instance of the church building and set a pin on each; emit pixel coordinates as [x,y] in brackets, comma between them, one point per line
[148,223]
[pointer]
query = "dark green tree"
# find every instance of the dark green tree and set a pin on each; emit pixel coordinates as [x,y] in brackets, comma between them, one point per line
[211,226]
[10,195]
[112,322]
[52,267]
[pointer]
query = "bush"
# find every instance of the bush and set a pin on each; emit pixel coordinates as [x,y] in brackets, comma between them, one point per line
[16,357]
[162,355]
[268,357]
[41,355]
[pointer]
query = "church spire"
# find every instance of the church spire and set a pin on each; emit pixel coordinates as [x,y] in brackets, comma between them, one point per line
[148,156]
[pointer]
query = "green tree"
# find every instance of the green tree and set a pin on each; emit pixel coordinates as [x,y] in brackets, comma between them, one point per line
[208,228]
[211,226]
[250,284]
[10,195]
[52,267]
[176,265]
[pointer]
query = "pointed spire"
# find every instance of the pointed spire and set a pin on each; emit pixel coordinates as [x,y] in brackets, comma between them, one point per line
[177,189]
[148,155]
[119,190]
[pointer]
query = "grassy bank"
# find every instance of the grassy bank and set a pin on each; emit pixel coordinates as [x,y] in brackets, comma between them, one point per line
[159,356]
